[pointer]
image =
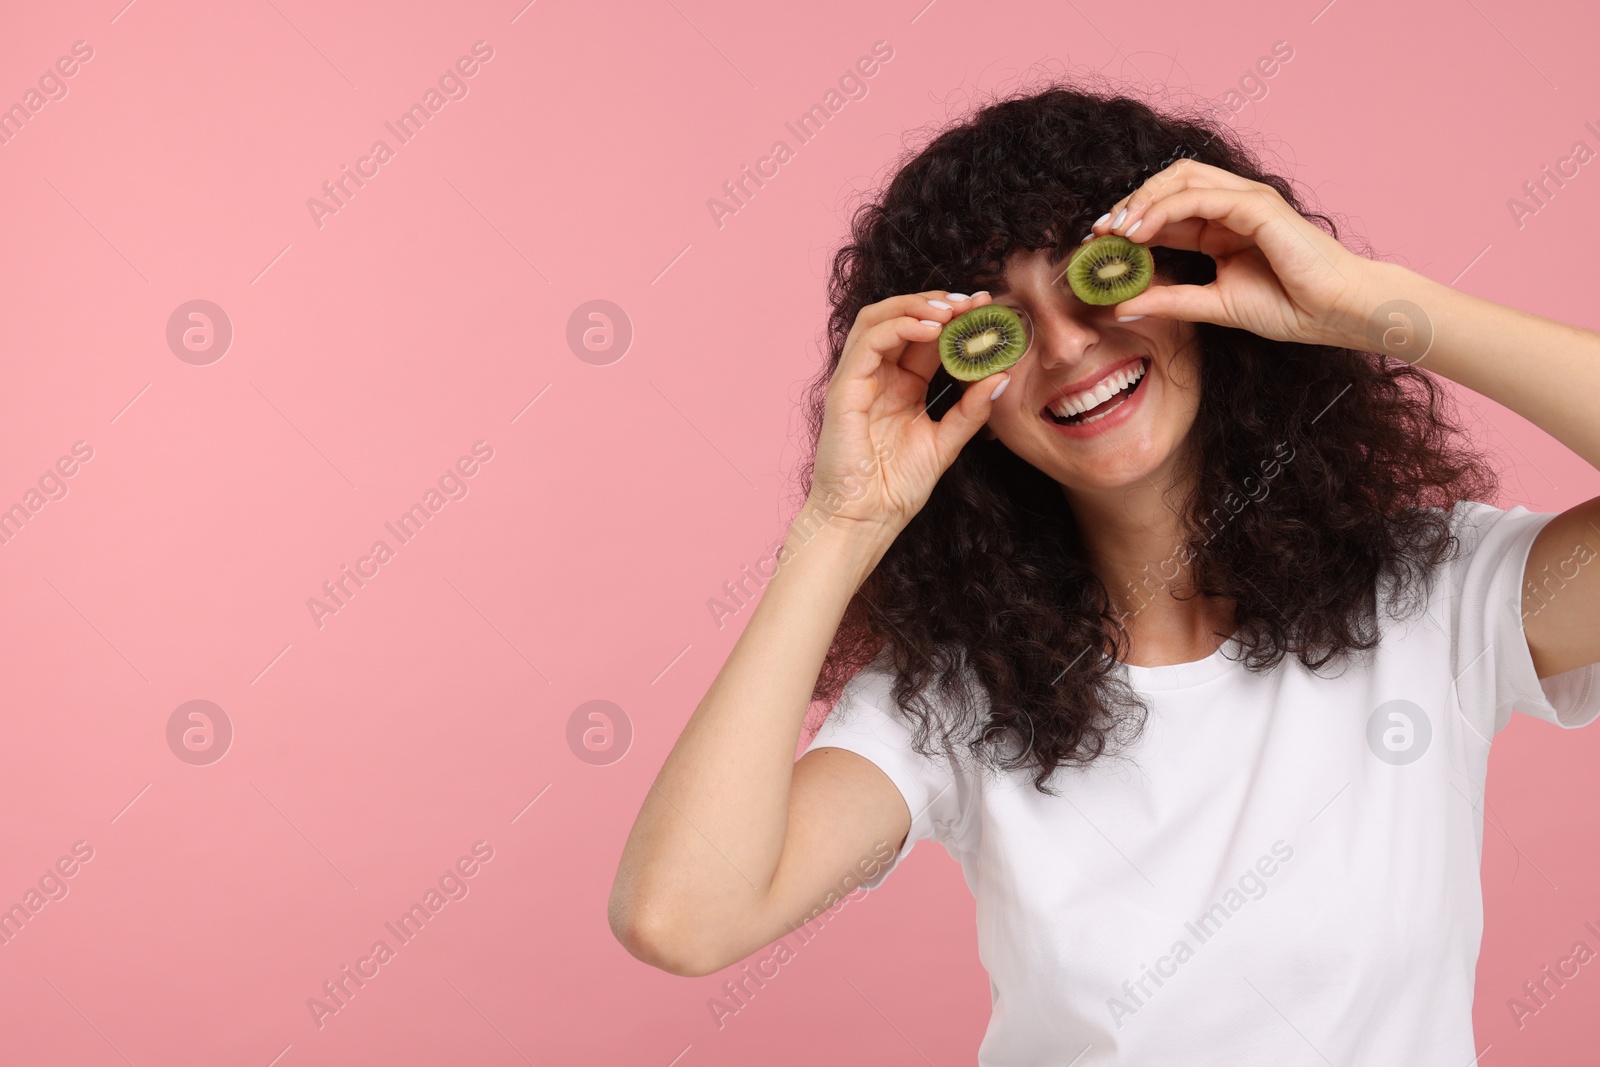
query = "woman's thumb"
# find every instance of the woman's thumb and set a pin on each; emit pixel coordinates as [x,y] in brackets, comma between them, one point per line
[1193,303]
[969,414]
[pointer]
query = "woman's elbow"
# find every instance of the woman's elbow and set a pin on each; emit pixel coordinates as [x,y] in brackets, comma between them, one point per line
[652,937]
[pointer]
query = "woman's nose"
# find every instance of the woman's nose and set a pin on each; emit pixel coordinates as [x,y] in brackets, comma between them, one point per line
[1063,340]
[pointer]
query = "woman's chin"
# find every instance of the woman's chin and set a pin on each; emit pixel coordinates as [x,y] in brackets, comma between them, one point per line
[1107,479]
[1112,461]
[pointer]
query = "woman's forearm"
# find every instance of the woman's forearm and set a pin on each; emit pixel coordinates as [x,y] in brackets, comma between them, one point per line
[710,832]
[1546,371]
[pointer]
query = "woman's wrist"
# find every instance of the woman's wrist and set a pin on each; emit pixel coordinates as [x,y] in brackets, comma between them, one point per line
[1385,312]
[1347,323]
[849,546]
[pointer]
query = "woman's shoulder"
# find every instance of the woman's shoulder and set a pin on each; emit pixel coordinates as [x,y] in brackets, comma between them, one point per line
[921,753]
[1477,530]
[870,697]
[1487,536]
[1480,598]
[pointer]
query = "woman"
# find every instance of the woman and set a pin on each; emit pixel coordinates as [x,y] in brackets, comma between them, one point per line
[1185,635]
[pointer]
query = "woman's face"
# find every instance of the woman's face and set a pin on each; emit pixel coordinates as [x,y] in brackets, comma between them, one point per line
[1133,437]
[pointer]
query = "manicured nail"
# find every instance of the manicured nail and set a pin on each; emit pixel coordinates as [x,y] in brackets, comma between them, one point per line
[1087,237]
[1103,219]
[980,292]
[940,304]
[958,296]
[930,322]
[999,389]
[1135,226]
[1120,216]
[1129,318]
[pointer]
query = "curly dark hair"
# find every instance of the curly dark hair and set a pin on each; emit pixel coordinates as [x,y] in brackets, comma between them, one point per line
[989,583]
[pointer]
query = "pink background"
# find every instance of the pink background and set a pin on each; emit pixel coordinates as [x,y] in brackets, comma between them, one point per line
[371,352]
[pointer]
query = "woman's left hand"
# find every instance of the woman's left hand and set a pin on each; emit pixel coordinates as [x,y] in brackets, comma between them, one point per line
[1278,275]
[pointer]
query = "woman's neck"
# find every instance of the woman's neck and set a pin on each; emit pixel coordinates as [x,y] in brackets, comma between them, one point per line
[1134,542]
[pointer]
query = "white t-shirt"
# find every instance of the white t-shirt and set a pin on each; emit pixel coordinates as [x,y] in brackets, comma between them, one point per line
[1284,868]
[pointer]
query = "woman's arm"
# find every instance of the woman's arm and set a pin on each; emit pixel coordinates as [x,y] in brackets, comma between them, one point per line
[1281,277]
[728,848]
[1549,373]
[736,841]
[1545,371]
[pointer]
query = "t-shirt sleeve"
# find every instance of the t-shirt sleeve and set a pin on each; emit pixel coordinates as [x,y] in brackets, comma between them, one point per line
[1493,668]
[866,721]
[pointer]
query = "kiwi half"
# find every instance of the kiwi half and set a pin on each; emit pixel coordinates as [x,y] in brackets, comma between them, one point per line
[1109,270]
[982,342]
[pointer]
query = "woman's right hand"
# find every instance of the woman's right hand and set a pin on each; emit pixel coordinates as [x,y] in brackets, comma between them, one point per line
[879,453]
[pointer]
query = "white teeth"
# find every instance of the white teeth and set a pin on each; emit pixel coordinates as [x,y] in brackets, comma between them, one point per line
[1097,418]
[1078,403]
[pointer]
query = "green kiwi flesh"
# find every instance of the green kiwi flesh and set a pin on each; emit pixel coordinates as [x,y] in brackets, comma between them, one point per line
[1109,270]
[982,342]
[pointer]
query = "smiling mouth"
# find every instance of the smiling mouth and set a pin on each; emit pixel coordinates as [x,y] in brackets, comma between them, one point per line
[1092,405]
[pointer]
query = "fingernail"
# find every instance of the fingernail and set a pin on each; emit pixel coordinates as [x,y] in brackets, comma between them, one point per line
[999,389]
[930,322]
[940,304]
[1135,226]
[1087,237]
[958,296]
[1120,216]
[1129,318]
[1103,219]
[980,292]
